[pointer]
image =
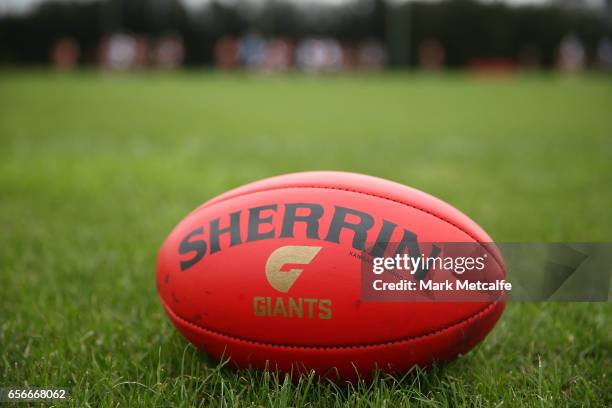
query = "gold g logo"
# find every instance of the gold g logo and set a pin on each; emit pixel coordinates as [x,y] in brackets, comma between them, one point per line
[288,255]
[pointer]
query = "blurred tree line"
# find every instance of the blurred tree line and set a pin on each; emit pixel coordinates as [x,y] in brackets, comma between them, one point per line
[465,28]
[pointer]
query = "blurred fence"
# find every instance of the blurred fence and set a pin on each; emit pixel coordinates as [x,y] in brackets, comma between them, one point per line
[278,35]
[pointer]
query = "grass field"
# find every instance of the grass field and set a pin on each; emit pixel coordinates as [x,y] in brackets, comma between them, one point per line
[96,169]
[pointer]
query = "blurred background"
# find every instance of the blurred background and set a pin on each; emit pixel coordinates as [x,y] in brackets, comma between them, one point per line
[308,35]
[119,117]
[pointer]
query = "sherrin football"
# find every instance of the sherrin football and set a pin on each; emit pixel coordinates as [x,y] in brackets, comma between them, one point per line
[266,275]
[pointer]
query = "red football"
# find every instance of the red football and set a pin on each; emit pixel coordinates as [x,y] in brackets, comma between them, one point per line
[266,275]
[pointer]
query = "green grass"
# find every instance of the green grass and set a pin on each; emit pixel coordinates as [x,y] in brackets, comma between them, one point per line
[96,169]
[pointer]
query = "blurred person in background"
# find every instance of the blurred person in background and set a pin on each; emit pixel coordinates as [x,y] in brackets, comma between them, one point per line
[604,54]
[278,55]
[227,53]
[319,55]
[169,52]
[350,57]
[65,54]
[252,51]
[431,55]
[371,56]
[121,52]
[571,56]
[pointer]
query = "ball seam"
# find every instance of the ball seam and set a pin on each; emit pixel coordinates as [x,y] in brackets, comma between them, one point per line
[461,322]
